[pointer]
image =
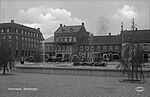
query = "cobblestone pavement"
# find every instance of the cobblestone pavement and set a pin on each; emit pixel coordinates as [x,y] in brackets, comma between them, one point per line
[46,85]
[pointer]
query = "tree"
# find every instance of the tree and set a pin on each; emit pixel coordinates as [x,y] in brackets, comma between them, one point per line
[37,58]
[5,56]
[132,61]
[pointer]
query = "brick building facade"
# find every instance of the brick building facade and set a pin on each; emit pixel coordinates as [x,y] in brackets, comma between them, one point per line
[67,39]
[138,36]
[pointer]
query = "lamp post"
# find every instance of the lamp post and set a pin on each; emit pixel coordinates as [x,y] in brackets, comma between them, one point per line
[43,49]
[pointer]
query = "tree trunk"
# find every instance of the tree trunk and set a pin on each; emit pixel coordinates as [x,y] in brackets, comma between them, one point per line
[132,72]
[4,69]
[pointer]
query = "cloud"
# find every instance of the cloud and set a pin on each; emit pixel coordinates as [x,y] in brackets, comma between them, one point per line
[48,19]
[126,12]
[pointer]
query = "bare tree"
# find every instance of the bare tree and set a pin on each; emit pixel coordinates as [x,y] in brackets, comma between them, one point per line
[132,61]
[5,56]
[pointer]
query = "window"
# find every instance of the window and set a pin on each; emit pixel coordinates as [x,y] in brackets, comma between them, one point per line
[81,48]
[116,48]
[21,31]
[50,48]
[74,39]
[29,33]
[2,30]
[29,45]
[66,39]
[22,45]
[86,48]
[46,48]
[4,37]
[68,48]
[28,39]
[7,29]
[59,48]
[16,37]
[22,38]
[17,45]
[110,48]
[70,38]
[98,48]
[25,38]
[9,36]
[60,39]
[104,48]
[92,48]
[16,31]
[25,32]
[57,39]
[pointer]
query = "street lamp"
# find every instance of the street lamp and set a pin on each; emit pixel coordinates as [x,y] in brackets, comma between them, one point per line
[43,50]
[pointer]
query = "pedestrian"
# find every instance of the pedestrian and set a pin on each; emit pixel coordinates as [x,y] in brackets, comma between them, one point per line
[22,60]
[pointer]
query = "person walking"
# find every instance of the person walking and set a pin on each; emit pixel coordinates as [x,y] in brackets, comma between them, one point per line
[22,60]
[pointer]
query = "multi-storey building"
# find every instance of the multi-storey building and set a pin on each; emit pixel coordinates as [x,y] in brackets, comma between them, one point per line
[72,40]
[138,36]
[47,47]
[67,39]
[100,45]
[22,39]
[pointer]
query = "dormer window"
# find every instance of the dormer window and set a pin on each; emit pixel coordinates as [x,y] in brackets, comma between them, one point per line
[62,30]
[71,29]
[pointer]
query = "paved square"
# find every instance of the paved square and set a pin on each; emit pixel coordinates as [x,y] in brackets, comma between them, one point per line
[46,85]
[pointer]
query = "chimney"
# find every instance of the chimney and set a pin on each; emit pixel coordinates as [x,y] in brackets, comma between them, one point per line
[82,24]
[12,21]
[122,26]
[109,34]
[39,29]
[60,25]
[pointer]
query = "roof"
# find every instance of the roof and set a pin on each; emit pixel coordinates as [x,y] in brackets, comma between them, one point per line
[137,36]
[69,29]
[48,40]
[113,39]
[136,32]
[19,26]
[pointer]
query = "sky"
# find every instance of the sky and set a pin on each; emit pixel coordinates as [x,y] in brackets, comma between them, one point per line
[100,17]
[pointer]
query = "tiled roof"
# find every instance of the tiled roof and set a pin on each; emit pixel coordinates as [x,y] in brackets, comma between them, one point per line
[137,36]
[69,29]
[48,40]
[19,26]
[113,39]
[136,32]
